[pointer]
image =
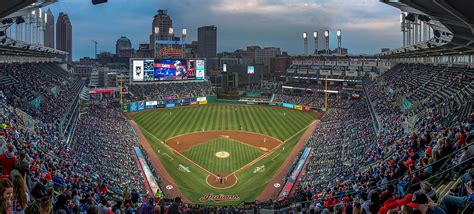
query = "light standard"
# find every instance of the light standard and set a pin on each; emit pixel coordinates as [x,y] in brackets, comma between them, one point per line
[315,36]
[305,40]
[156,32]
[170,32]
[326,35]
[339,41]
[184,32]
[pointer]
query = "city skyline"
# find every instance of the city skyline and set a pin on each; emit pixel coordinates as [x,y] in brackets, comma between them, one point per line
[367,25]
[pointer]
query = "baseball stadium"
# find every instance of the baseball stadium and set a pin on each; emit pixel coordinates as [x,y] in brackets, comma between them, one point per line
[252,106]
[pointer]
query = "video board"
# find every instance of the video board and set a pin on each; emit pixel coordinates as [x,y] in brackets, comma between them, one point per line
[146,70]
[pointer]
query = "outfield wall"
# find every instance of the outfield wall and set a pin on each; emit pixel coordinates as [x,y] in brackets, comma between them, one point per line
[172,103]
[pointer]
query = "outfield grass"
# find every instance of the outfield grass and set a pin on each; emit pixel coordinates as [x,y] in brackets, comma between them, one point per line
[204,155]
[285,124]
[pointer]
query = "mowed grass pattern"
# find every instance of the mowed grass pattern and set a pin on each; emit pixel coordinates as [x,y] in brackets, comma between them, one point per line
[204,155]
[285,124]
[277,122]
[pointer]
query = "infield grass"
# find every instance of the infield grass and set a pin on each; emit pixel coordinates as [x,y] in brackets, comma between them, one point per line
[285,124]
[239,155]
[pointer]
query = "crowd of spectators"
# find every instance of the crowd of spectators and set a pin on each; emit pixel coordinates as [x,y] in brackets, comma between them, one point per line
[372,173]
[170,90]
[352,169]
[316,100]
[26,84]
[99,146]
[339,142]
[46,176]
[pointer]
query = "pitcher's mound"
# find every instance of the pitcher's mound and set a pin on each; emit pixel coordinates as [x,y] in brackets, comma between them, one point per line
[222,154]
[221,181]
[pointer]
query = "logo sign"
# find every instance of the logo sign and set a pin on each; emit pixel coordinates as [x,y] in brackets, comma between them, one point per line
[276,185]
[169,187]
[170,52]
[219,198]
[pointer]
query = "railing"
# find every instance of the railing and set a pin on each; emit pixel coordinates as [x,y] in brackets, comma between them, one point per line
[375,119]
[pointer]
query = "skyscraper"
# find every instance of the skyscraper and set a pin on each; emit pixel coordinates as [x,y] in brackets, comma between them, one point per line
[49,29]
[123,47]
[160,29]
[207,41]
[64,35]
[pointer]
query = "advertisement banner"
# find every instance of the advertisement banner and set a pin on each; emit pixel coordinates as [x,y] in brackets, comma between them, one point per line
[170,105]
[146,171]
[137,70]
[298,107]
[141,105]
[133,106]
[160,106]
[287,105]
[199,99]
[185,104]
[194,103]
[200,68]
[125,107]
[250,70]
[203,102]
[151,104]
[294,175]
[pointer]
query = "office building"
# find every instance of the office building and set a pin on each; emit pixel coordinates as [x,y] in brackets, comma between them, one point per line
[64,35]
[207,41]
[49,29]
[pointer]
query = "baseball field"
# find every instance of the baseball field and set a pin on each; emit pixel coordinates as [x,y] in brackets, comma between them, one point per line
[221,153]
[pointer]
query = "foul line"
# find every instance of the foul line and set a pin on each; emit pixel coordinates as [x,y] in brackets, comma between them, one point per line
[178,153]
[271,151]
[243,167]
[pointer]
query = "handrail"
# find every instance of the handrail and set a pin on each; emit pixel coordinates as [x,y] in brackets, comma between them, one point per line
[375,119]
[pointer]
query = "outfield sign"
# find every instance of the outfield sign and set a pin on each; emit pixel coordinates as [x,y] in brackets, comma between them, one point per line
[219,198]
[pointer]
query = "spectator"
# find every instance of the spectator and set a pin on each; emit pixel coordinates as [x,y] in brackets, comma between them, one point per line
[6,191]
[20,195]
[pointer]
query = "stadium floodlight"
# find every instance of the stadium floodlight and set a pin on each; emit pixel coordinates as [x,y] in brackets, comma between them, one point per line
[157,30]
[33,12]
[315,34]
[305,35]
[184,32]
[326,33]
[170,31]
[40,13]
[45,18]
[338,33]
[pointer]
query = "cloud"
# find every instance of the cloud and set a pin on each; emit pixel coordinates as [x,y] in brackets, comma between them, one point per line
[240,23]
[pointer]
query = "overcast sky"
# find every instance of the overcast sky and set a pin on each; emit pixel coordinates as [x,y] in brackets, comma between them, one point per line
[367,25]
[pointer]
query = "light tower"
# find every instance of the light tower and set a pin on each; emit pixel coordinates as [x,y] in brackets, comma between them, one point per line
[339,41]
[171,35]
[315,36]
[184,32]
[326,36]
[305,40]
[403,28]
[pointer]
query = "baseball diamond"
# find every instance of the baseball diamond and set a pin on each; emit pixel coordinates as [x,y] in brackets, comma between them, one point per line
[194,137]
